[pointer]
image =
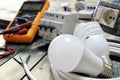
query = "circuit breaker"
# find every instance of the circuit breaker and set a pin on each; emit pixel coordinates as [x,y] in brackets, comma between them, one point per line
[56,23]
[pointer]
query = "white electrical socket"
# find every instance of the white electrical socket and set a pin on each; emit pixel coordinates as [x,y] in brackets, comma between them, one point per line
[107,16]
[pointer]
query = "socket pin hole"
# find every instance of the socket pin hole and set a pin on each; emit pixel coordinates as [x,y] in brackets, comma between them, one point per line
[110,17]
[62,17]
[113,18]
[56,16]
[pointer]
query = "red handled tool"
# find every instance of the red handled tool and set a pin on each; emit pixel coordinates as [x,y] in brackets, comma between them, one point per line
[17,29]
[20,29]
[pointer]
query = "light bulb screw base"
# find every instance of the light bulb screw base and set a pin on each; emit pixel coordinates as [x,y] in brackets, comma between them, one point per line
[107,71]
[107,67]
[107,60]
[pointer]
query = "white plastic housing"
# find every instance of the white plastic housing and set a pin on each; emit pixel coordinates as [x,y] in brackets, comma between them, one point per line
[93,36]
[84,30]
[107,16]
[64,22]
[98,45]
[68,54]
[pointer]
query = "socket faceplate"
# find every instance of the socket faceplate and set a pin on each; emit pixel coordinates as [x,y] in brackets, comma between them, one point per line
[107,16]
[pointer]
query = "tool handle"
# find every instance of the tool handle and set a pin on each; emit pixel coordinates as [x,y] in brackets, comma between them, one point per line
[16,28]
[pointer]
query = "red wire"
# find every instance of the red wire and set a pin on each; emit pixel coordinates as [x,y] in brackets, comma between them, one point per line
[23,31]
[8,52]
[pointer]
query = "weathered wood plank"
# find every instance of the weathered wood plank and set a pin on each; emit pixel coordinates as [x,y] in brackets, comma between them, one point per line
[17,48]
[11,70]
[20,47]
[42,71]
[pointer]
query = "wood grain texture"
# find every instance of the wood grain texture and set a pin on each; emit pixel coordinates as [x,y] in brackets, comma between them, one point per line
[11,70]
[42,71]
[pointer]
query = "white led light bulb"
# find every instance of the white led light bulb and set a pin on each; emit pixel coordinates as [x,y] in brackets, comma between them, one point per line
[68,54]
[93,36]
[98,45]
